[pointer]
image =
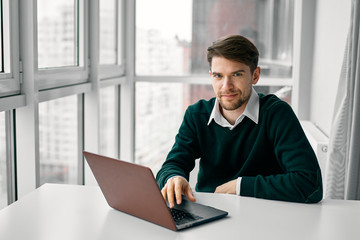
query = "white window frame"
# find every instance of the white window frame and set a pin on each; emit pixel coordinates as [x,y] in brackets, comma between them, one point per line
[63,76]
[304,18]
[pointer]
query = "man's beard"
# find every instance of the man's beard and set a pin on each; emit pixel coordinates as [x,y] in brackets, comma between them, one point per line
[230,106]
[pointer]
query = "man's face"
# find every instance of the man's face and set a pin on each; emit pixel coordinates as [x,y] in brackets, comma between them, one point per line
[232,83]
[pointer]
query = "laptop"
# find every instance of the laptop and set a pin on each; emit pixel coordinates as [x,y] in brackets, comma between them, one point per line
[132,189]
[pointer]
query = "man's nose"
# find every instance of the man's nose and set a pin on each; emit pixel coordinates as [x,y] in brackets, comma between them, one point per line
[227,83]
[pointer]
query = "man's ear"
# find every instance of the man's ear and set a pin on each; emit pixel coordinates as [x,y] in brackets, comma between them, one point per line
[256,75]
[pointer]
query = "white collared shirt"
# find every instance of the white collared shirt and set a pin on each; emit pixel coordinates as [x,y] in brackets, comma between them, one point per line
[251,111]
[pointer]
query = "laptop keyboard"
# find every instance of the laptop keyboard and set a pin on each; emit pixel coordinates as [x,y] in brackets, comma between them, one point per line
[181,217]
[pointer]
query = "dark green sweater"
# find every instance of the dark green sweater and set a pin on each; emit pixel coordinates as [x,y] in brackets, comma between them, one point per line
[273,157]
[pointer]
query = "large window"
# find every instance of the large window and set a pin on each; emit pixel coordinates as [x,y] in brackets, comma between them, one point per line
[171,47]
[59,140]
[62,40]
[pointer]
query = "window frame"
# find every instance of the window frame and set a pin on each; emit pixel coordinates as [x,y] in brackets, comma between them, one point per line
[49,78]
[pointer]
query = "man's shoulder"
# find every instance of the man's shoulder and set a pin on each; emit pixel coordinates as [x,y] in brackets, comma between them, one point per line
[202,106]
[271,101]
[273,110]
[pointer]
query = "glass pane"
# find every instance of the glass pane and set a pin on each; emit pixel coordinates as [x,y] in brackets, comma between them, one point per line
[275,37]
[163,37]
[172,38]
[57,33]
[109,113]
[3,172]
[108,31]
[284,40]
[58,127]
[159,113]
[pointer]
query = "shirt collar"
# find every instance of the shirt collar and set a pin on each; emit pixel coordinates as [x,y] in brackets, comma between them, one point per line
[251,111]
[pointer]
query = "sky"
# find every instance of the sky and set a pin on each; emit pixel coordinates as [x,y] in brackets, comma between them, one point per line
[177,21]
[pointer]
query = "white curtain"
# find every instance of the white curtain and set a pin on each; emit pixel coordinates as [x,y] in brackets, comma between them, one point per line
[343,169]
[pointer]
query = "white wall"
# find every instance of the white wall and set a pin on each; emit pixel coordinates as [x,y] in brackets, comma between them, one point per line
[331,28]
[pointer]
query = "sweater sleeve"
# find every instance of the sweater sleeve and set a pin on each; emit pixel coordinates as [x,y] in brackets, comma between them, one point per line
[301,180]
[181,159]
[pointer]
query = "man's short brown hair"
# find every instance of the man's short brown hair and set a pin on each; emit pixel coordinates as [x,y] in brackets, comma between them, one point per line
[236,48]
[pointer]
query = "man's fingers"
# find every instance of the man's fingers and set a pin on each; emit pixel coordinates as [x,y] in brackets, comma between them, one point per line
[189,194]
[174,189]
[178,191]
[164,192]
[170,194]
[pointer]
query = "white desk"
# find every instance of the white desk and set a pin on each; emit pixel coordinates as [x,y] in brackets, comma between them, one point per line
[79,212]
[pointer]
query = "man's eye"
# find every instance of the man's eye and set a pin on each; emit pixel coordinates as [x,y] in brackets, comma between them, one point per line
[216,75]
[237,74]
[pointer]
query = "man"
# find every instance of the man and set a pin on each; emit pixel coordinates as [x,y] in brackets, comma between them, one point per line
[249,144]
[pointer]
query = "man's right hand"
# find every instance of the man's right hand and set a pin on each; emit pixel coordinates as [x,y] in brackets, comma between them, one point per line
[174,188]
